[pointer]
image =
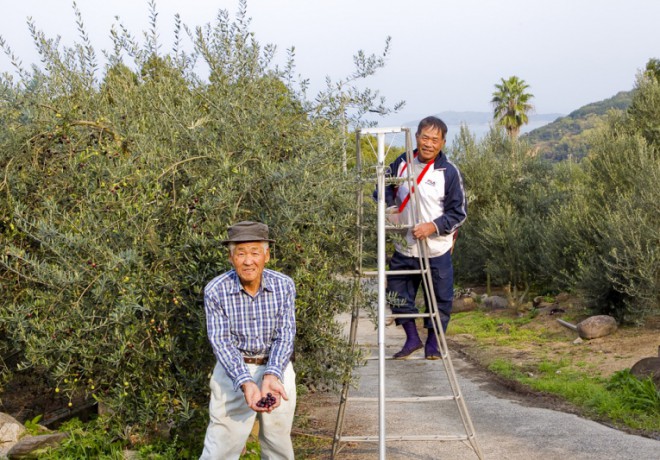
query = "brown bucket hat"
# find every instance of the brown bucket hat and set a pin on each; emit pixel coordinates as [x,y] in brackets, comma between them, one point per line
[245,231]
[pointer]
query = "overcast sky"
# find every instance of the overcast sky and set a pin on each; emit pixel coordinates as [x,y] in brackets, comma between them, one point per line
[446,55]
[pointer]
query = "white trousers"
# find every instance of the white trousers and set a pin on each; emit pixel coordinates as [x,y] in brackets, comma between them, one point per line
[232,419]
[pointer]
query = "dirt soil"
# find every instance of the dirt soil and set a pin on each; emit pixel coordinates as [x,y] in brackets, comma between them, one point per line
[603,356]
[26,397]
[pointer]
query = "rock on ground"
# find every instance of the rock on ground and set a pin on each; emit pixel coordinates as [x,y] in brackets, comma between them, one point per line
[27,446]
[596,326]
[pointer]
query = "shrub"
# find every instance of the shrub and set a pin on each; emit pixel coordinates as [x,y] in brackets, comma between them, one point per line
[116,192]
[622,276]
[591,226]
[509,201]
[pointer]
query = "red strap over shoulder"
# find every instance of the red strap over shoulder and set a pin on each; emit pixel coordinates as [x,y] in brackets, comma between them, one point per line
[419,179]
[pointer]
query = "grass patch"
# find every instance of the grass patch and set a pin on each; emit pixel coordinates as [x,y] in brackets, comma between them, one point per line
[505,369]
[90,440]
[495,330]
[621,399]
[84,441]
[311,447]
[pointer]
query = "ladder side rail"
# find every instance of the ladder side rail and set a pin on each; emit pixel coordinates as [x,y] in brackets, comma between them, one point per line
[357,293]
[357,297]
[423,249]
[446,357]
[429,293]
[425,268]
[444,351]
[381,294]
[359,218]
[460,400]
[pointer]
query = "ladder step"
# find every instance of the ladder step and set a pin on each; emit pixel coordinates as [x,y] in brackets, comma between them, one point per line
[394,272]
[370,179]
[396,180]
[404,399]
[409,315]
[372,131]
[409,358]
[448,437]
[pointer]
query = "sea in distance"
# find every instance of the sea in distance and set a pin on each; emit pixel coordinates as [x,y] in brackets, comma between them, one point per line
[479,124]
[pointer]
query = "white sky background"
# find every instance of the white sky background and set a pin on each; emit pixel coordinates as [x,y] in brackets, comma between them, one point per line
[446,54]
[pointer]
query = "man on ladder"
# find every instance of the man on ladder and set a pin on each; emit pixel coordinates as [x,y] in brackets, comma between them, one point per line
[443,208]
[429,204]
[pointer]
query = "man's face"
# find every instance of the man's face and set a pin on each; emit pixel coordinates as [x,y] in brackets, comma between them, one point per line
[429,144]
[249,260]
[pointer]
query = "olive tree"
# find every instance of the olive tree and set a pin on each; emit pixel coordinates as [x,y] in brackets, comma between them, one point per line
[508,204]
[118,185]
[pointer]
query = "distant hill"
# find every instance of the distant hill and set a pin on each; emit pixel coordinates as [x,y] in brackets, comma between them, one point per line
[486,118]
[558,137]
[479,123]
[568,136]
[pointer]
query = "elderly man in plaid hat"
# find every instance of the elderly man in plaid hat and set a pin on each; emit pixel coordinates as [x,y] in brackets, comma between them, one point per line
[250,317]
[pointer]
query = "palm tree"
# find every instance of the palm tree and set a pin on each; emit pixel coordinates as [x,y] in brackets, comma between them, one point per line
[653,68]
[511,105]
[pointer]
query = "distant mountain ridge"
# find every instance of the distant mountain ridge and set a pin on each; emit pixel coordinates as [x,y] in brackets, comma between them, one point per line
[479,123]
[558,138]
[452,117]
[568,137]
[456,118]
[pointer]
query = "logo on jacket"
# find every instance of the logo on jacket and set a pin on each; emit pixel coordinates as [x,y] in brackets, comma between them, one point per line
[430,182]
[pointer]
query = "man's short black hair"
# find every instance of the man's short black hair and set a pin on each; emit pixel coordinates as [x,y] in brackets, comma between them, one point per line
[435,123]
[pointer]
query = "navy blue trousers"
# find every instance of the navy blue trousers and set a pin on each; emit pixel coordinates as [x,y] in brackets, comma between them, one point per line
[403,288]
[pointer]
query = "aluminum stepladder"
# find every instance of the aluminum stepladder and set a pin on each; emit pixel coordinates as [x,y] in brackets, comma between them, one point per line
[433,313]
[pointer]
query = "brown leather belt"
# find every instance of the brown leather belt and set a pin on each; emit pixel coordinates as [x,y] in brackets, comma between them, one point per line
[259,360]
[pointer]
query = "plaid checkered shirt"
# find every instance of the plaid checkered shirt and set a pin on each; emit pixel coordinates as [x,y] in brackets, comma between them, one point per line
[241,325]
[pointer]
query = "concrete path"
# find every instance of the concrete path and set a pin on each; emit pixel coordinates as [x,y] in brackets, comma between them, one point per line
[506,426]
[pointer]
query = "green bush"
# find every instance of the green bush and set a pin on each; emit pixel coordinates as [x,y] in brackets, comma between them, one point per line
[509,200]
[116,192]
[622,275]
[590,226]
